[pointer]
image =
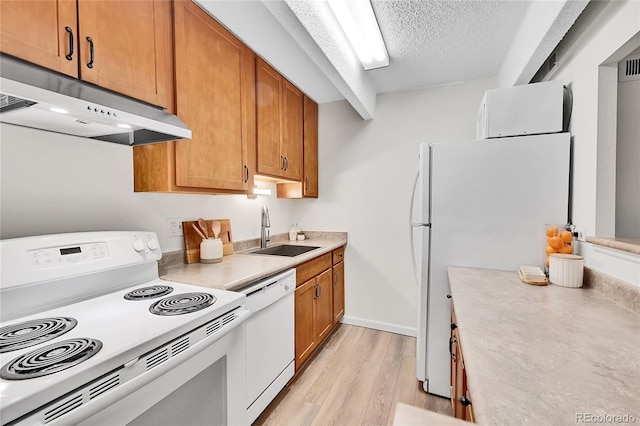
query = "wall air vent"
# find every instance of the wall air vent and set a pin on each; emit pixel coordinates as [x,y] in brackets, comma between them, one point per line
[629,69]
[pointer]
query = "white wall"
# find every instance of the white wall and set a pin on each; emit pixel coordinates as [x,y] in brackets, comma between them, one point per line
[611,25]
[628,160]
[52,183]
[366,174]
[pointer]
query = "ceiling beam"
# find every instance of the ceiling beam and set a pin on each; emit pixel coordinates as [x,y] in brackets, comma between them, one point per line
[543,27]
[310,24]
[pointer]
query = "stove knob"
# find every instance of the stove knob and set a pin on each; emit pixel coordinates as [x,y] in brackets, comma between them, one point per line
[138,245]
[152,244]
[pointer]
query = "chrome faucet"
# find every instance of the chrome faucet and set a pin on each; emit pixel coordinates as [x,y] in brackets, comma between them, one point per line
[264,224]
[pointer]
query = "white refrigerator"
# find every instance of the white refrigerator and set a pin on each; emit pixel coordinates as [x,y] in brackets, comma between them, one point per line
[481,204]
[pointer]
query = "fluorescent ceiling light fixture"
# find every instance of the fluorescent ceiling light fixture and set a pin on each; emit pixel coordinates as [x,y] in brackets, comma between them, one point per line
[124,126]
[59,110]
[359,23]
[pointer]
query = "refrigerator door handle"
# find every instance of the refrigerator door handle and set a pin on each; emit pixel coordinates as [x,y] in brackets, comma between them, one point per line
[413,225]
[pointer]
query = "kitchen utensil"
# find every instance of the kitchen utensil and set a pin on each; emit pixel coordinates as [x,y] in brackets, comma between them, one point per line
[203,226]
[215,227]
[198,231]
[192,239]
[566,270]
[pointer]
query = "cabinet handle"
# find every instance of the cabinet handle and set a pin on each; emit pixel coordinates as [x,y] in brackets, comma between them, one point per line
[69,56]
[448,296]
[281,162]
[453,326]
[286,163]
[246,174]
[464,401]
[91,52]
[451,341]
[335,278]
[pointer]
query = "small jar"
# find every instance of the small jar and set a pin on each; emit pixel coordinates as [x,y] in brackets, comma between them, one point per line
[211,250]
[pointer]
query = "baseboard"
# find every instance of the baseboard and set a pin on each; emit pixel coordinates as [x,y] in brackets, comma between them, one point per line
[382,326]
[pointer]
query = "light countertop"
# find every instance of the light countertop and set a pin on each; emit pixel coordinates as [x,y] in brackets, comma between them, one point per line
[631,245]
[242,268]
[408,415]
[545,355]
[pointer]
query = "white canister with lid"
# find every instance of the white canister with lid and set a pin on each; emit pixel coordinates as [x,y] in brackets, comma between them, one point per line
[211,250]
[566,270]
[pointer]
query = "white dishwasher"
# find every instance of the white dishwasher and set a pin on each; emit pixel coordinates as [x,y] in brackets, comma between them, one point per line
[270,339]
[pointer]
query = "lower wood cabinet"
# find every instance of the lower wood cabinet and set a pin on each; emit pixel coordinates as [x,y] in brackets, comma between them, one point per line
[338,284]
[460,400]
[314,315]
[319,302]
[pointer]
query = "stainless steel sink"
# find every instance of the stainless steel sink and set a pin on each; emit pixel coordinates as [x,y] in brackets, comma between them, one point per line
[285,250]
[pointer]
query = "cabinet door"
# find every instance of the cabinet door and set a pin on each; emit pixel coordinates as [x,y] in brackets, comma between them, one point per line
[338,292]
[305,307]
[324,304]
[310,154]
[270,160]
[215,79]
[41,32]
[125,46]
[292,141]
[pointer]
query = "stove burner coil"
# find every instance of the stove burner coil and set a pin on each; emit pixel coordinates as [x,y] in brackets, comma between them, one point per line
[51,359]
[180,304]
[34,332]
[150,292]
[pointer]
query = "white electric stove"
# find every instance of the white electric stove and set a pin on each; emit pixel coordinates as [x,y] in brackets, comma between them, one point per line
[87,323]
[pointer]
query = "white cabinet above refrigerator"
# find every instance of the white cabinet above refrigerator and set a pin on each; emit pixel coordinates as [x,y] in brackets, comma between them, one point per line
[530,109]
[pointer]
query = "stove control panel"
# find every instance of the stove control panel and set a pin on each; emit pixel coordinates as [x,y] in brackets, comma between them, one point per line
[53,256]
[46,258]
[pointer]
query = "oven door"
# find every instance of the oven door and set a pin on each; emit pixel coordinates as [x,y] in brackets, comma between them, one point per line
[205,384]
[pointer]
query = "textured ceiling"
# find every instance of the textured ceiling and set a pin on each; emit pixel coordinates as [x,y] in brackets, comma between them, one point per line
[436,42]
[430,42]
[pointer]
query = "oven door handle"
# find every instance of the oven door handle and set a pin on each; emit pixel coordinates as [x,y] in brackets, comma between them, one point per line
[130,385]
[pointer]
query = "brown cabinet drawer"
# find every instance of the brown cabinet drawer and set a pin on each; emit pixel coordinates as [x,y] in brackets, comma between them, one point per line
[338,255]
[308,270]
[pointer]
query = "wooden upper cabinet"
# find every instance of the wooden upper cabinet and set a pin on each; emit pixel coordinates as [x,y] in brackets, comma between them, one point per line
[215,96]
[269,119]
[279,109]
[41,32]
[125,46]
[292,137]
[310,181]
[215,80]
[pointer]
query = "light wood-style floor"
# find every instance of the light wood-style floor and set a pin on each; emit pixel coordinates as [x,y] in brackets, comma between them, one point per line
[357,378]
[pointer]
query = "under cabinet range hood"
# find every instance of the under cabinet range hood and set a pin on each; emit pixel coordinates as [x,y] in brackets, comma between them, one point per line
[35,97]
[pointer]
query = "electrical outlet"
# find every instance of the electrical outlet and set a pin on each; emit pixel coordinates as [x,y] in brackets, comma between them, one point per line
[580,234]
[175,226]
